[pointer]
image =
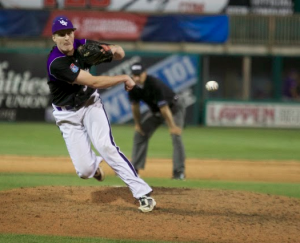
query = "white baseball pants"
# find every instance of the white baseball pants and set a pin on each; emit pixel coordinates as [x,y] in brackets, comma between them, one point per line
[89,125]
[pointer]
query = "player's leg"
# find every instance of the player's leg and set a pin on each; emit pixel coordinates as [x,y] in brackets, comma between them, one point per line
[78,144]
[178,147]
[100,133]
[149,124]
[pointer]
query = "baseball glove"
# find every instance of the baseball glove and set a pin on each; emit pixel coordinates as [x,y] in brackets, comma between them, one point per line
[95,53]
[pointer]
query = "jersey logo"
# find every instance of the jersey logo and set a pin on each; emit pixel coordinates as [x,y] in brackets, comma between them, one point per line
[74,68]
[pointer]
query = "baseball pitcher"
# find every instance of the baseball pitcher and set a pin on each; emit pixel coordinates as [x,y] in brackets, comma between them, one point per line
[79,112]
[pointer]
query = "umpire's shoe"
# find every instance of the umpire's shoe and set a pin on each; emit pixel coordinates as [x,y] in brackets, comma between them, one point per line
[99,175]
[180,176]
[147,204]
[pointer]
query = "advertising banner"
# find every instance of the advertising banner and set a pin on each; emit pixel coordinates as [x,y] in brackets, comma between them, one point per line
[98,25]
[24,93]
[249,114]
[263,7]
[126,26]
[24,4]
[150,6]
[169,6]
[177,71]
[101,25]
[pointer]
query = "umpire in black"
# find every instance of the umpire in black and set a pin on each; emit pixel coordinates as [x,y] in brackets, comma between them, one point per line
[164,105]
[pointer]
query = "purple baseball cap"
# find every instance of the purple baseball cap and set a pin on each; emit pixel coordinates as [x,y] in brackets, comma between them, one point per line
[62,23]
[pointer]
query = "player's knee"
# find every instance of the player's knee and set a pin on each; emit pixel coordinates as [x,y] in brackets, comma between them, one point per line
[138,138]
[86,173]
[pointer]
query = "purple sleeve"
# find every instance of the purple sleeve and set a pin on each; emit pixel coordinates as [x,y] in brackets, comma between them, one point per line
[78,43]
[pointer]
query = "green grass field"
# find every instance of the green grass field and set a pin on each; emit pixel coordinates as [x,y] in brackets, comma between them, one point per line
[200,142]
[40,139]
[10,238]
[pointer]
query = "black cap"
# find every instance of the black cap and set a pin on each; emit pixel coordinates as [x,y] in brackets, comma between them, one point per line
[137,68]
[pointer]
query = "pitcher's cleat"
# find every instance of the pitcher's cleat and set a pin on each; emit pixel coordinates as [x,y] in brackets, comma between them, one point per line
[99,175]
[147,204]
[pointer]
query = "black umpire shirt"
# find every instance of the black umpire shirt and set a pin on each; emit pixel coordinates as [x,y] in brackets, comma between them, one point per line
[154,93]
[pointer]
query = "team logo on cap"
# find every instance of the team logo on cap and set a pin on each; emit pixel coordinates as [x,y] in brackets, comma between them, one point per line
[62,22]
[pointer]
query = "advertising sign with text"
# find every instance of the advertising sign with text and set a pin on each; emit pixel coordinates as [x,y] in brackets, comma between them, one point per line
[178,71]
[249,114]
[24,93]
[101,25]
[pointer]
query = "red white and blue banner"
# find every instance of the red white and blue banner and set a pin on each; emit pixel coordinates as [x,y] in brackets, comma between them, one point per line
[118,26]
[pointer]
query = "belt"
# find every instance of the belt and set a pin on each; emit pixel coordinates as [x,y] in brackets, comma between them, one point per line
[90,101]
[65,108]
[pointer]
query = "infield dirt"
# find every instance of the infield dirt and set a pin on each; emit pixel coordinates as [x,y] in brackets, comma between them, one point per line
[182,214]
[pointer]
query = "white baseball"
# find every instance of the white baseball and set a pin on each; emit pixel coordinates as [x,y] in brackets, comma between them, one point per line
[211,85]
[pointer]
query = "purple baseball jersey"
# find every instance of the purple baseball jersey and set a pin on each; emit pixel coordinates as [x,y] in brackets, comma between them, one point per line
[62,72]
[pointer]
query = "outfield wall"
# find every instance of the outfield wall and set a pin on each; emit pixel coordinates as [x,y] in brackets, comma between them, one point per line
[24,94]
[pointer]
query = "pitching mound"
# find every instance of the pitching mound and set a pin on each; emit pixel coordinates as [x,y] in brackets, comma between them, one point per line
[182,215]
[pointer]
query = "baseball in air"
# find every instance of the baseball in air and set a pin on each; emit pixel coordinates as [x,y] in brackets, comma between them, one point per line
[211,85]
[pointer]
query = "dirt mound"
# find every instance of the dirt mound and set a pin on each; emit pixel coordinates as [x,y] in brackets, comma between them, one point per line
[182,215]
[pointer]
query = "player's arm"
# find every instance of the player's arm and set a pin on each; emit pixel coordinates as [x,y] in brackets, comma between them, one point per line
[167,114]
[135,107]
[103,82]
